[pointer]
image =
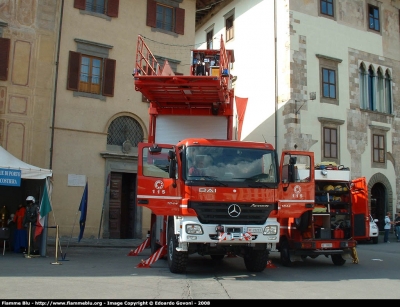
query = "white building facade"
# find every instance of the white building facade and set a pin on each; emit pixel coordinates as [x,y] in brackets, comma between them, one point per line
[319,75]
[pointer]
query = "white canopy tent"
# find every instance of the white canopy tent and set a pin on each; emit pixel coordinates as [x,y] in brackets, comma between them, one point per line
[33,180]
[8,161]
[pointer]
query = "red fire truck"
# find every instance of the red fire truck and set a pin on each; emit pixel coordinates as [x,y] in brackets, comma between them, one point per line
[339,218]
[204,190]
[209,194]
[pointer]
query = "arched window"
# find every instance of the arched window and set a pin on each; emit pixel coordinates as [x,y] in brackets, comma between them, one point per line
[124,128]
[380,91]
[388,93]
[371,88]
[363,77]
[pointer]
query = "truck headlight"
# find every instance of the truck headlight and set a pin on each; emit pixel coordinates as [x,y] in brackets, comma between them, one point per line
[194,229]
[270,230]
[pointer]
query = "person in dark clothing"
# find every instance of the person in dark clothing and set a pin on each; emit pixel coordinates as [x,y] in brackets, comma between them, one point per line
[397,226]
[31,215]
[11,225]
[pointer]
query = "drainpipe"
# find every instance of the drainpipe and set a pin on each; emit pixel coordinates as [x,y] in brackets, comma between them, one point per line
[55,85]
[43,242]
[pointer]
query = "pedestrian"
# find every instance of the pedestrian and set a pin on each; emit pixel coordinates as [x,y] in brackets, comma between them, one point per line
[11,225]
[397,226]
[388,225]
[20,234]
[31,215]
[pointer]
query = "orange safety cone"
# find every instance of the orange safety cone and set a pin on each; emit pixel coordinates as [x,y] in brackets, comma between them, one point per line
[140,248]
[153,258]
[270,265]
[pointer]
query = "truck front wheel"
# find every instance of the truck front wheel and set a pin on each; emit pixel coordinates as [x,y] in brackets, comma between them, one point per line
[338,259]
[177,261]
[256,260]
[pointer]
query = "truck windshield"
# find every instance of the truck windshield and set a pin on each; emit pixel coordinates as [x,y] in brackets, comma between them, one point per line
[230,164]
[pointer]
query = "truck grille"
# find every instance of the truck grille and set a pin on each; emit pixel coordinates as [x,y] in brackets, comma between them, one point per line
[217,213]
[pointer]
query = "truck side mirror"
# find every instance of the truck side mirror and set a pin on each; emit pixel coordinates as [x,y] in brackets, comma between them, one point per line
[172,166]
[155,149]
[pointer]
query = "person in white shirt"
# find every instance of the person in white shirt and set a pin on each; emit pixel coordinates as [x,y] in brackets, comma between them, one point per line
[388,225]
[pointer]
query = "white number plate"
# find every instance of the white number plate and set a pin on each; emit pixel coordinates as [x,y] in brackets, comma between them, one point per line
[326,245]
[254,230]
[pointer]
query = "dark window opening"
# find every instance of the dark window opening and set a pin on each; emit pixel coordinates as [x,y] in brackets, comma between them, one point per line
[229,28]
[327,7]
[330,143]
[209,38]
[329,83]
[165,17]
[379,148]
[373,18]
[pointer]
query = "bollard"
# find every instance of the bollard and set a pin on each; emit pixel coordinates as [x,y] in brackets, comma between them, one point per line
[56,262]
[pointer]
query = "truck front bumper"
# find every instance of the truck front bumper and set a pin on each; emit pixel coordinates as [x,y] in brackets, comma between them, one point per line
[192,231]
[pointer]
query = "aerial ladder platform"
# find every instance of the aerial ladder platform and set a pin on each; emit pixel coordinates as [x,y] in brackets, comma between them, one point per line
[206,90]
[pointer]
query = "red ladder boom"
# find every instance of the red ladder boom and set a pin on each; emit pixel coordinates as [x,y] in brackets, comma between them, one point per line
[186,94]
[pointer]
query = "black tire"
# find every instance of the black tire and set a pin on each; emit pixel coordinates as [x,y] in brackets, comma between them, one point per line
[303,221]
[285,253]
[217,257]
[153,245]
[375,240]
[338,259]
[256,260]
[177,261]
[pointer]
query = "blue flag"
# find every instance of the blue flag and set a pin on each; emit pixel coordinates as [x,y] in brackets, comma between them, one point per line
[83,210]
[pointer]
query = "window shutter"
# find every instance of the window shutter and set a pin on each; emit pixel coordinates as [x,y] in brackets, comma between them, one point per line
[109,77]
[151,20]
[112,8]
[80,4]
[4,57]
[73,71]
[179,21]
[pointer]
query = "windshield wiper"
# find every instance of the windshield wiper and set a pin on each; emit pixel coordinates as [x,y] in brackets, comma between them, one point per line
[215,181]
[261,185]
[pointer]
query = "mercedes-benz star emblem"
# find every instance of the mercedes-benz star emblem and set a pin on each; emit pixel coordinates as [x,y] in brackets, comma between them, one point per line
[234,210]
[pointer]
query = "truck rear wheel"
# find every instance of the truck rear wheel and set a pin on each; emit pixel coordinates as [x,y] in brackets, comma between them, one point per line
[338,259]
[177,261]
[285,253]
[256,260]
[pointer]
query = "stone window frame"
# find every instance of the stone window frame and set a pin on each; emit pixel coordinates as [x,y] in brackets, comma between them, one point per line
[132,128]
[378,130]
[365,93]
[111,9]
[378,5]
[178,16]
[320,14]
[332,123]
[331,63]
[93,49]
